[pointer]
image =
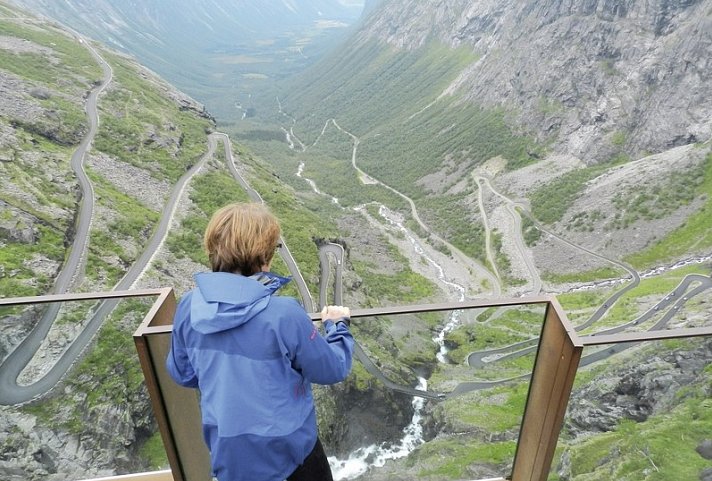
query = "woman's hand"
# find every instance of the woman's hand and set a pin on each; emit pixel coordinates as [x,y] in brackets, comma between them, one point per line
[335,312]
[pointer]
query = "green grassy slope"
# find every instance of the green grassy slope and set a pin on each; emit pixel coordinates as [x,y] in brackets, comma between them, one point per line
[391,101]
[694,235]
[41,122]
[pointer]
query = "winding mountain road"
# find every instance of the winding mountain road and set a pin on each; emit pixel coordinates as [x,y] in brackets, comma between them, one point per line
[13,393]
[478,359]
[327,251]
[338,252]
[488,232]
[284,252]
[515,232]
[73,267]
[478,269]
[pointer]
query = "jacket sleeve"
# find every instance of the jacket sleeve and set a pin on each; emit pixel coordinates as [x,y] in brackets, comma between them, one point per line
[177,363]
[322,359]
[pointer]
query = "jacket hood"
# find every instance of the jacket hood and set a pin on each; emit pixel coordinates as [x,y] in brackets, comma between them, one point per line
[223,300]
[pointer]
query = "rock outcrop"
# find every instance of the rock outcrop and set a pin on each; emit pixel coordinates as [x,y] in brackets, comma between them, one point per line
[636,390]
[597,78]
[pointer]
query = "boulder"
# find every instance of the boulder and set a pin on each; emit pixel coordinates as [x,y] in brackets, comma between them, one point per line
[706,475]
[705,449]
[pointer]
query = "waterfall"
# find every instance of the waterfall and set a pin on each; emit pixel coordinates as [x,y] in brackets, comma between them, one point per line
[376,455]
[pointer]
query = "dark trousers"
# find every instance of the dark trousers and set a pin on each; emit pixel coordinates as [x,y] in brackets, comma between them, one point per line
[314,468]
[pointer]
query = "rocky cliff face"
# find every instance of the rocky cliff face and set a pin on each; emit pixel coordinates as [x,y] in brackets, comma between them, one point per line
[595,77]
[636,391]
[104,439]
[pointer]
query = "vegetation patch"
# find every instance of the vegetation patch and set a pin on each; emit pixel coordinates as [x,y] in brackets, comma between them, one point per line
[587,276]
[131,221]
[530,232]
[551,201]
[400,287]
[657,201]
[154,452]
[694,235]
[451,457]
[494,410]
[142,126]
[643,451]
[210,191]
[508,327]
[40,196]
[66,63]
[452,216]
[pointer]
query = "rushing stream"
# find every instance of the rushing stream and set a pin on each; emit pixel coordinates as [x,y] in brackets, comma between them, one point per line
[312,184]
[376,455]
[649,273]
[454,288]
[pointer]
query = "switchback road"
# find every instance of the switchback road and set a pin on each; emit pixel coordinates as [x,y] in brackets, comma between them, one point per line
[13,393]
[284,251]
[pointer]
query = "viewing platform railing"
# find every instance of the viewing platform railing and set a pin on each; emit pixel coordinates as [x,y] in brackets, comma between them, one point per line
[556,362]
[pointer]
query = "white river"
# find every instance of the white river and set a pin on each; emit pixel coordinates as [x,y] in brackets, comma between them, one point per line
[456,289]
[376,455]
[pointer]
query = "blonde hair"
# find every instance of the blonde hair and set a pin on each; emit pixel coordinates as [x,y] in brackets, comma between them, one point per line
[241,238]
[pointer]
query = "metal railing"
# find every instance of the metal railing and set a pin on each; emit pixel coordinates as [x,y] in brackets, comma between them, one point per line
[557,360]
[164,475]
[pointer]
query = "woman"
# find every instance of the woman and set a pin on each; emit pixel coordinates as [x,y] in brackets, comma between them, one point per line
[253,355]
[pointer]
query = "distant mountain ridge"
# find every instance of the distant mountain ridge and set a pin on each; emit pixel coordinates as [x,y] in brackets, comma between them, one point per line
[595,77]
[188,21]
[179,39]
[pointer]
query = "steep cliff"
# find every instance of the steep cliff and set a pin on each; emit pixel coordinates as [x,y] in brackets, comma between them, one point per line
[594,77]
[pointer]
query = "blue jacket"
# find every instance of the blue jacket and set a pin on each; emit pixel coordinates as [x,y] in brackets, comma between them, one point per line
[254,356]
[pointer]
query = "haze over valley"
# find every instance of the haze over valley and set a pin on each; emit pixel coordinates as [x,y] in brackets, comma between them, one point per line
[458,151]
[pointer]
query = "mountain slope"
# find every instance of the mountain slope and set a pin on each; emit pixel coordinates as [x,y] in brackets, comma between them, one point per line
[206,47]
[98,421]
[595,77]
[433,92]
[149,132]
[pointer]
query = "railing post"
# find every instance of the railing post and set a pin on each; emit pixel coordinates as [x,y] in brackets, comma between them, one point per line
[555,368]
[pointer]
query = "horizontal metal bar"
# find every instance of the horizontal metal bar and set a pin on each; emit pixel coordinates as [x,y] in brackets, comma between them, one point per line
[80,296]
[147,331]
[446,306]
[657,335]
[165,475]
[412,309]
